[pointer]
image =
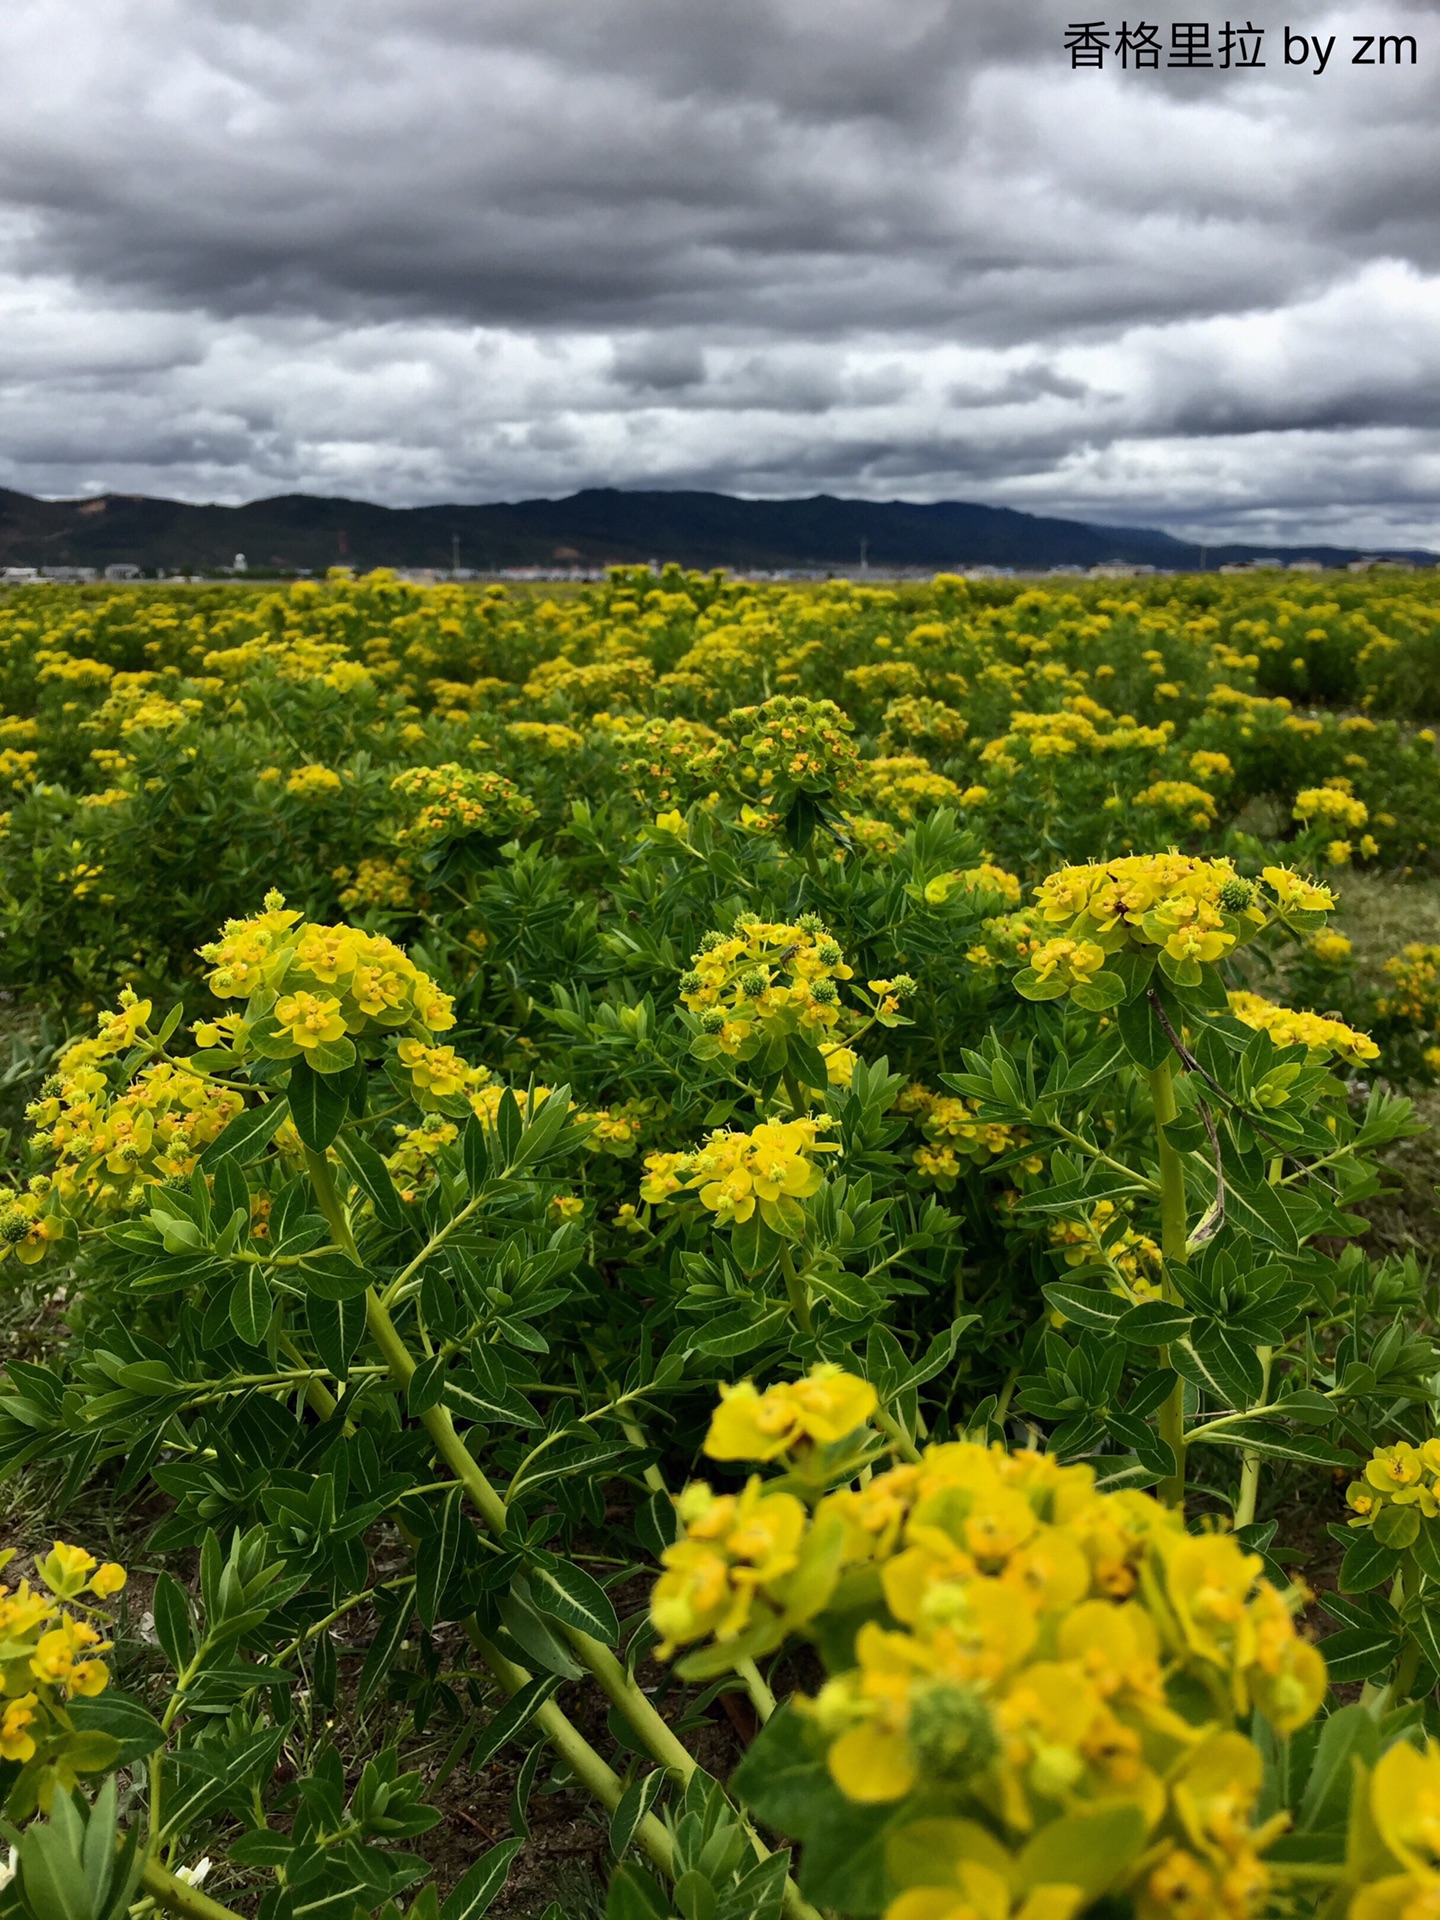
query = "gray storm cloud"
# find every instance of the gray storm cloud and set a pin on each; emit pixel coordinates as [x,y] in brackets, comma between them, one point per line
[429,249]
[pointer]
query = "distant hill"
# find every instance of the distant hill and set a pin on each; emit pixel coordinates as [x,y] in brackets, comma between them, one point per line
[298,531]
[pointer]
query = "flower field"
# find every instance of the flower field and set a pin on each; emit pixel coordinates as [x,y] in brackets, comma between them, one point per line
[708,1250]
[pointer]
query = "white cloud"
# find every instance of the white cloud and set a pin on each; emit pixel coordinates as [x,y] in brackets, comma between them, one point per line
[428,249]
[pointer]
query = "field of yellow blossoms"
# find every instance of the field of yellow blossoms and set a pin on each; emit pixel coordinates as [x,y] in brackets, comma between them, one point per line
[708,1249]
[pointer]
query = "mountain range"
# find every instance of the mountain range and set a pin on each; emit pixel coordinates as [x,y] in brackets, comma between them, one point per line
[303,532]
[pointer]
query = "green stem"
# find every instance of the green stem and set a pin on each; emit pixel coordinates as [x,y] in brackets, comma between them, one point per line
[178,1896]
[893,1431]
[1175,1244]
[1250,1467]
[796,1289]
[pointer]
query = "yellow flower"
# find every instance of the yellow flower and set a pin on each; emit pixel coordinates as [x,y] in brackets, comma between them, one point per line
[310,1020]
[16,1740]
[1400,1896]
[735,1547]
[64,1569]
[1405,1803]
[824,1408]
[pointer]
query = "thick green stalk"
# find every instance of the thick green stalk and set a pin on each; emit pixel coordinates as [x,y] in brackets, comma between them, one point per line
[1250,1464]
[1175,1245]
[576,1751]
[178,1896]
[797,1291]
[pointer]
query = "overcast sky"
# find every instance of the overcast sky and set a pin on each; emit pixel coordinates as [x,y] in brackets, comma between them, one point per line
[423,250]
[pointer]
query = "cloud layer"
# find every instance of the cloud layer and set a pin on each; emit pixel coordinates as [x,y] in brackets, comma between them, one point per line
[437,249]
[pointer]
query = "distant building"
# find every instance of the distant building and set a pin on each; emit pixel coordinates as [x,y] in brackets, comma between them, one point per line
[69,576]
[124,570]
[239,566]
[1119,570]
[17,576]
[1252,566]
[1307,566]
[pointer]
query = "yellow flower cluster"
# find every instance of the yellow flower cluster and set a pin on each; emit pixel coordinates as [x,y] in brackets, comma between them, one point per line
[111,1141]
[315,783]
[1028,1647]
[905,785]
[48,1653]
[1399,1488]
[451,802]
[544,736]
[1180,799]
[1333,804]
[1100,1237]
[917,717]
[764,980]
[792,745]
[1293,1027]
[667,763]
[1415,996]
[734,1572]
[1084,727]
[1395,1836]
[313,990]
[953,1134]
[1189,912]
[771,1167]
[376,883]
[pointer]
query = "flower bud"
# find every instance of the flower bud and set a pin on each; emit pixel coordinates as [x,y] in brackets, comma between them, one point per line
[951,1732]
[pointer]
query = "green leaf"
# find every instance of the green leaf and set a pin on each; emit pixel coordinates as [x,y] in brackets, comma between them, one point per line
[1368,1563]
[1087,1306]
[1359,1653]
[372,1176]
[1426,1551]
[1272,1441]
[1424,1624]
[482,1400]
[567,1594]
[634,1895]
[251,1306]
[1154,1323]
[847,1293]
[636,1801]
[337,1328]
[543,1131]
[1145,1039]
[393,1621]
[482,1885]
[532,1635]
[1100,992]
[656,1524]
[241,1139]
[317,1105]
[1397,1527]
[515,1714]
[427,1385]
[173,1627]
[740,1332]
[137,1733]
[435,1557]
[1350,1734]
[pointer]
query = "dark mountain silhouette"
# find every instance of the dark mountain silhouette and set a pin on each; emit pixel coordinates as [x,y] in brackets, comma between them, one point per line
[301,531]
